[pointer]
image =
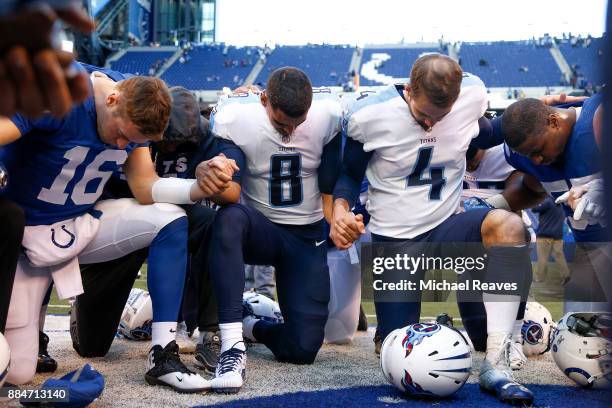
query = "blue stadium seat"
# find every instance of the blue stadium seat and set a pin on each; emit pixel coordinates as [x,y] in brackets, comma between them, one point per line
[326,65]
[588,59]
[211,67]
[139,62]
[502,64]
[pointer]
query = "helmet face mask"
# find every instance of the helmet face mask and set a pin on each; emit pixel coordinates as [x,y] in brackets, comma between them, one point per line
[426,360]
[582,348]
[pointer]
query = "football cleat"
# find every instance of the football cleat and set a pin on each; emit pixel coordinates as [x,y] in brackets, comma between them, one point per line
[378,341]
[230,372]
[164,367]
[45,363]
[207,352]
[517,357]
[496,375]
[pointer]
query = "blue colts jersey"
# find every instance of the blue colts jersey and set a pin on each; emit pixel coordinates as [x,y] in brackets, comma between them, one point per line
[59,167]
[579,165]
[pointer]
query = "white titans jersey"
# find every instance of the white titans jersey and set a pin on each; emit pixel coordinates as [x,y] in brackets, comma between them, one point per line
[490,176]
[416,177]
[280,178]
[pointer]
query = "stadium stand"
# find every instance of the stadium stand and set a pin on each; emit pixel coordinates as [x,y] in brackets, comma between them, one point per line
[394,62]
[510,64]
[586,57]
[208,67]
[141,62]
[506,64]
[326,65]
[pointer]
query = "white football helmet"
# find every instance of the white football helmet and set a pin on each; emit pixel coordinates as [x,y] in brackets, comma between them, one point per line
[538,326]
[137,317]
[582,348]
[261,307]
[426,359]
[5,359]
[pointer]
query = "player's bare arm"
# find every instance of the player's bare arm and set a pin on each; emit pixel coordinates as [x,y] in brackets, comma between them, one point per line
[8,131]
[328,206]
[220,167]
[215,179]
[524,191]
[346,227]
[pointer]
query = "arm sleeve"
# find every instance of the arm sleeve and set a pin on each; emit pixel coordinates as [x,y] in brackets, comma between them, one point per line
[490,134]
[330,164]
[354,165]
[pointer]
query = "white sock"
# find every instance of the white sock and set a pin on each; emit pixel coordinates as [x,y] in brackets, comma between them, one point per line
[501,312]
[247,327]
[231,333]
[517,336]
[163,333]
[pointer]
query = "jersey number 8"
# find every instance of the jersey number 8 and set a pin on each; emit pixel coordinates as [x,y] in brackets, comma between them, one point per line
[286,180]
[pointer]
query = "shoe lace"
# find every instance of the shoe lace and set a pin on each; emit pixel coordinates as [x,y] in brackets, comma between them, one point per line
[516,351]
[170,355]
[229,360]
[502,358]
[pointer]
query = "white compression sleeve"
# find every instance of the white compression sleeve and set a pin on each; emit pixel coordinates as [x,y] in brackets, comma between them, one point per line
[173,190]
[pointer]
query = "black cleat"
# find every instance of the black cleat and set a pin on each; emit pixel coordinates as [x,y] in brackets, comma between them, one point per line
[207,352]
[378,341]
[46,363]
[166,368]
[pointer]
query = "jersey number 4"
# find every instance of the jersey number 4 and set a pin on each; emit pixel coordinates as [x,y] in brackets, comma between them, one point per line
[56,194]
[436,178]
[286,180]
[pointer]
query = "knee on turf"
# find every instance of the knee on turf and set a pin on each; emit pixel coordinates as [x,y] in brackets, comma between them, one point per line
[22,371]
[297,355]
[503,227]
[91,350]
[23,357]
[304,345]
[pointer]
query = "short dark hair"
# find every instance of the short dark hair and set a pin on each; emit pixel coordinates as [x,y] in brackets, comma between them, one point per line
[438,77]
[524,119]
[289,90]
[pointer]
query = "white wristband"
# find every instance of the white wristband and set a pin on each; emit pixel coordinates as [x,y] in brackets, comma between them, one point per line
[173,190]
[498,201]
